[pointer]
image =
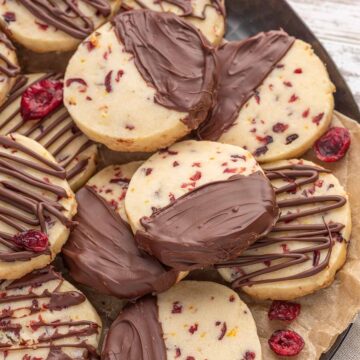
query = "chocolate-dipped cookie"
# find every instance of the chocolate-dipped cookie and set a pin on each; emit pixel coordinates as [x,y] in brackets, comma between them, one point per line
[101,251]
[35,109]
[141,82]
[195,203]
[274,97]
[192,320]
[45,317]
[44,25]
[9,67]
[208,16]
[308,244]
[36,206]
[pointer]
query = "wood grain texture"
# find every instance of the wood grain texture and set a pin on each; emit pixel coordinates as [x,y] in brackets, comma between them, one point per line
[336,24]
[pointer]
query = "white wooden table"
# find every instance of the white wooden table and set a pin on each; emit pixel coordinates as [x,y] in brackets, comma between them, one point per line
[337,24]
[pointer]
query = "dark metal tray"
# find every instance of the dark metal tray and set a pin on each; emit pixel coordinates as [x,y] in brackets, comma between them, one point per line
[248,17]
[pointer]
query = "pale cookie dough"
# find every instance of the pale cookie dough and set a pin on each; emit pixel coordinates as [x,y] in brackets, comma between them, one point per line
[192,320]
[269,286]
[179,169]
[111,102]
[57,133]
[34,195]
[8,66]
[42,313]
[112,182]
[206,15]
[39,36]
[291,109]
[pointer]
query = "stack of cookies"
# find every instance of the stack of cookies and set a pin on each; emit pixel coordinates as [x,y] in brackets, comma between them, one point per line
[221,128]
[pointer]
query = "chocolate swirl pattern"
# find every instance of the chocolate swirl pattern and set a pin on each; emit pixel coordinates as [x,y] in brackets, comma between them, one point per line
[302,242]
[66,15]
[43,316]
[56,132]
[7,67]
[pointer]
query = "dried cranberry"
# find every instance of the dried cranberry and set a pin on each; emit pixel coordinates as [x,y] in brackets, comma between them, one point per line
[286,343]
[249,355]
[333,145]
[284,310]
[9,16]
[280,127]
[33,240]
[40,99]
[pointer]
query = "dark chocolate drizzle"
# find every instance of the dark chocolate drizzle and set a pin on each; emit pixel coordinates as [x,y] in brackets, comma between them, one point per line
[173,57]
[61,128]
[242,67]
[36,209]
[316,237]
[210,224]
[65,15]
[56,301]
[136,334]
[8,68]
[101,253]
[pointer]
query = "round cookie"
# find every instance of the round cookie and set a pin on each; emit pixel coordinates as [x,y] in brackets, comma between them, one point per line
[305,250]
[192,320]
[9,68]
[45,26]
[45,317]
[275,100]
[168,200]
[101,251]
[55,131]
[36,202]
[206,15]
[160,103]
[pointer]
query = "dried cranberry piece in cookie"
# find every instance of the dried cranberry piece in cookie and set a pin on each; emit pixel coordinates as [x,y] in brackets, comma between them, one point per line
[333,145]
[33,240]
[286,343]
[284,310]
[41,98]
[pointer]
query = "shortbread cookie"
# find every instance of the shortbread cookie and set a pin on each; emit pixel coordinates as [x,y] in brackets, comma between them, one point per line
[192,320]
[132,96]
[9,68]
[274,97]
[309,243]
[183,207]
[206,15]
[36,206]
[45,317]
[45,25]
[101,252]
[52,126]
[112,182]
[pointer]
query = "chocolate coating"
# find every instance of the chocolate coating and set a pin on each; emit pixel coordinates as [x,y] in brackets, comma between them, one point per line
[8,68]
[242,67]
[173,57]
[215,222]
[136,334]
[101,253]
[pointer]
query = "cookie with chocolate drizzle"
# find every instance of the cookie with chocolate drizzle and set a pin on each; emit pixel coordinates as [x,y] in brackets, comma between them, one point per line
[9,68]
[308,244]
[45,317]
[36,206]
[44,25]
[208,16]
[54,128]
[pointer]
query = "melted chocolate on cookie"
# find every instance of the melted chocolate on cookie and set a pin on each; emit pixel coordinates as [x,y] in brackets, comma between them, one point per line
[101,252]
[322,234]
[8,68]
[213,223]
[66,15]
[173,57]
[242,67]
[136,334]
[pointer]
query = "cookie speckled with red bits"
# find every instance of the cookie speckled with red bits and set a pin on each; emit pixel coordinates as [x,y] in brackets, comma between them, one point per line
[308,244]
[192,320]
[45,26]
